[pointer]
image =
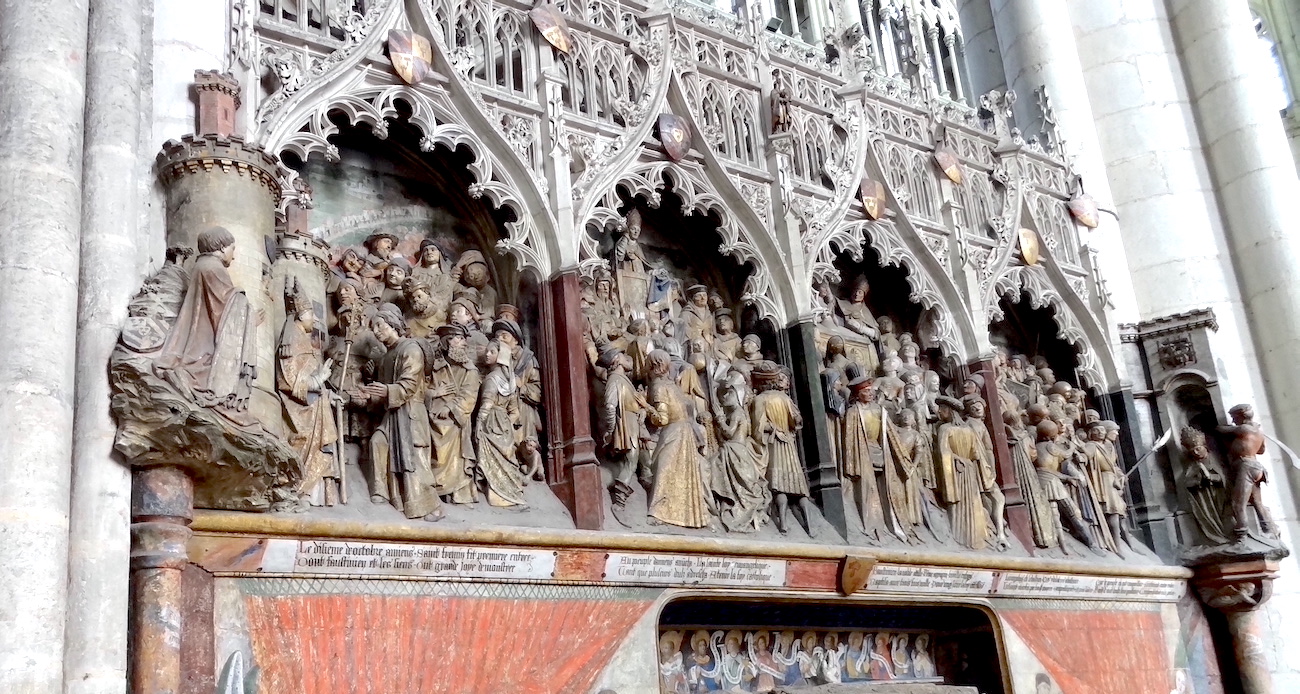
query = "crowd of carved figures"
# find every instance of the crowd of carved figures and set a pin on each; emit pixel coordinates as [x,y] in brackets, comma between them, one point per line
[415,372]
[688,408]
[698,661]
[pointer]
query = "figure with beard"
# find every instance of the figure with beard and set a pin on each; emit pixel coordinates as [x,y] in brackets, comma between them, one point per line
[400,453]
[450,400]
[495,431]
[421,314]
[631,267]
[209,354]
[680,495]
[380,247]
[776,422]
[603,320]
[624,411]
[301,380]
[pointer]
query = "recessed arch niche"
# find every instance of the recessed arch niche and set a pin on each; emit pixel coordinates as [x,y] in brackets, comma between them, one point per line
[1033,332]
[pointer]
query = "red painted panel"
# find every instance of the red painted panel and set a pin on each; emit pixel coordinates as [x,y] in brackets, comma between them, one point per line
[1098,652]
[375,644]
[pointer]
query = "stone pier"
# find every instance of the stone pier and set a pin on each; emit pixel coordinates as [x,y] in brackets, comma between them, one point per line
[42,88]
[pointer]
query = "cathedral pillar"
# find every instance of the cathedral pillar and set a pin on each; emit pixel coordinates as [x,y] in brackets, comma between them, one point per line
[815,438]
[215,178]
[574,473]
[99,531]
[42,112]
[1040,56]
[1238,589]
[1254,177]
[1017,515]
[162,505]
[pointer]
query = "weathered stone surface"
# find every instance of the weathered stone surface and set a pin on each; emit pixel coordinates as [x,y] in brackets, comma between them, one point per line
[879,688]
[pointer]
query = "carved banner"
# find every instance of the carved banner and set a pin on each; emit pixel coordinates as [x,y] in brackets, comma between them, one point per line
[686,570]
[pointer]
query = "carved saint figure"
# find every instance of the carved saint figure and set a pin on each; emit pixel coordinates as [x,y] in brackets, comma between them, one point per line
[672,665]
[301,380]
[380,247]
[209,354]
[452,395]
[780,103]
[630,266]
[863,454]
[1053,463]
[400,447]
[776,421]
[738,480]
[991,494]
[1206,486]
[431,272]
[1247,472]
[697,317]
[852,313]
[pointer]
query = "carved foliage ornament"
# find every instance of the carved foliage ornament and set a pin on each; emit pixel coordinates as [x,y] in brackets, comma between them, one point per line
[1177,352]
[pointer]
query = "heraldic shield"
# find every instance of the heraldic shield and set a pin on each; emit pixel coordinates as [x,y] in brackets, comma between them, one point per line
[550,23]
[412,55]
[675,134]
[873,198]
[1084,209]
[1029,248]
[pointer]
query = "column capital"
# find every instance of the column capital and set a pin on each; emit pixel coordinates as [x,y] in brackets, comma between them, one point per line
[1239,586]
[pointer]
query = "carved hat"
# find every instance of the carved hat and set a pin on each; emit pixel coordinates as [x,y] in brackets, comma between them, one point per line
[861,382]
[696,289]
[608,356]
[633,217]
[765,373]
[970,400]
[453,330]
[977,379]
[470,257]
[722,312]
[398,261]
[509,326]
[295,299]
[410,284]
[425,243]
[371,239]
[951,403]
[509,312]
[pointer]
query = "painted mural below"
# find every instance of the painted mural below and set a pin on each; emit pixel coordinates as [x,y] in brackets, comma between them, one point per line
[694,661]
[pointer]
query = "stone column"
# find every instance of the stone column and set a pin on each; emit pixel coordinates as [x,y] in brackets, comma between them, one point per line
[1038,50]
[1238,589]
[162,505]
[574,472]
[42,109]
[215,178]
[1017,515]
[99,534]
[1255,179]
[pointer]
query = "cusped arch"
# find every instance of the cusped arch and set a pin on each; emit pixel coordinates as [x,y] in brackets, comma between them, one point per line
[437,123]
[689,183]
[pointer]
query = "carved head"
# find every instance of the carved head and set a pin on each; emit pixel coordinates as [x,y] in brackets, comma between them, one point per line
[352,262]
[475,275]
[381,244]
[1242,414]
[751,345]
[835,346]
[1047,430]
[723,322]
[219,242]
[430,253]
[886,325]
[395,274]
[660,363]
[388,326]
[975,408]
[907,419]
[858,293]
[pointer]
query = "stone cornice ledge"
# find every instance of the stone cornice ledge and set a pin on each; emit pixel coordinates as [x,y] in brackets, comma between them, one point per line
[223,522]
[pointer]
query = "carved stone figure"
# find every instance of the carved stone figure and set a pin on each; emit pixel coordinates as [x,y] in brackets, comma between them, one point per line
[631,268]
[475,278]
[863,455]
[422,316]
[726,342]
[604,321]
[496,441]
[738,481]
[450,400]
[432,272]
[623,412]
[776,420]
[1207,488]
[697,317]
[853,315]
[780,104]
[994,502]
[680,495]
[400,447]
[1109,482]
[1021,442]
[380,247]
[911,453]
[1053,462]
[301,380]
[1248,473]
[528,380]
[210,352]
[961,462]
[835,387]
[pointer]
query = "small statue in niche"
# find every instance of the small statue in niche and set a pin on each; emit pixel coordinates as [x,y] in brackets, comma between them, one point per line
[450,400]
[400,447]
[624,412]
[835,387]
[1247,472]
[680,495]
[1206,486]
[853,314]
[301,380]
[209,354]
[380,247]
[776,421]
[631,268]
[780,103]
[1021,442]
[496,444]
[911,453]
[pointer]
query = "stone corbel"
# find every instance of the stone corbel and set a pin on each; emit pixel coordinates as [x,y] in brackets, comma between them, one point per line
[1238,589]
